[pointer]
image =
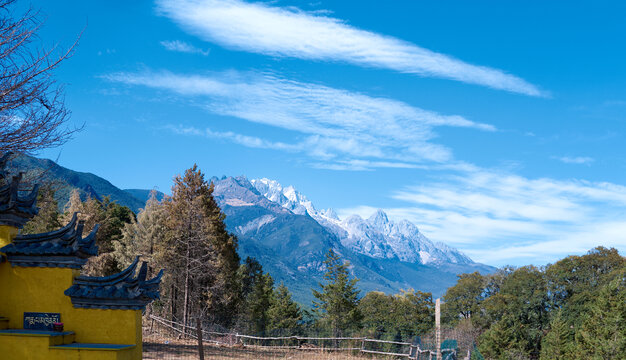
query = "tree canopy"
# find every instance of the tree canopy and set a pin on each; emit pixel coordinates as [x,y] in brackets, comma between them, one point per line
[338,298]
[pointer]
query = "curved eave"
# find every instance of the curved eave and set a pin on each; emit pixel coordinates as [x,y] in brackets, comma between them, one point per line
[108,280]
[120,291]
[64,232]
[61,248]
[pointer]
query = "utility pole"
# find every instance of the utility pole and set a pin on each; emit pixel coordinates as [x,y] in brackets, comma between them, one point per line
[438,327]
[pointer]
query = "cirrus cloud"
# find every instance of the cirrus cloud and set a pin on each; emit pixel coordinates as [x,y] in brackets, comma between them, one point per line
[500,218]
[332,125]
[181,46]
[289,32]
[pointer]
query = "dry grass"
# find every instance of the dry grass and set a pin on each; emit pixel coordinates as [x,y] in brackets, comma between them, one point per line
[159,348]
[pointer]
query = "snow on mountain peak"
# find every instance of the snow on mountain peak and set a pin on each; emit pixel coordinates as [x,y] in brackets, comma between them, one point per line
[379,220]
[330,213]
[288,197]
[377,236]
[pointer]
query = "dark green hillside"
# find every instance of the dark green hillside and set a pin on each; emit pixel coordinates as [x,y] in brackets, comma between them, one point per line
[65,180]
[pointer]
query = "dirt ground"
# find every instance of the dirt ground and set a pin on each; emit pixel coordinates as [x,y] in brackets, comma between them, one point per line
[156,348]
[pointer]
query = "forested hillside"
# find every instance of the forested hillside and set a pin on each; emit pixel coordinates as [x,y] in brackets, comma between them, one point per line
[572,309]
[63,180]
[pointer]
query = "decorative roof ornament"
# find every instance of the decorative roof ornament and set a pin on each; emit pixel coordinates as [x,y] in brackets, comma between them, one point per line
[64,248]
[15,210]
[120,291]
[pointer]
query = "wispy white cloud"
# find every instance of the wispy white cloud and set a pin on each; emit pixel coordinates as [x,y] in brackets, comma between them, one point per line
[248,141]
[500,218]
[289,32]
[181,46]
[575,160]
[332,125]
[365,165]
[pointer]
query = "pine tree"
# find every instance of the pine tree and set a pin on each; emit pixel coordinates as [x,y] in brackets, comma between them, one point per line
[557,343]
[338,300]
[48,218]
[201,255]
[259,302]
[603,332]
[496,341]
[140,236]
[378,313]
[284,314]
[248,273]
[73,205]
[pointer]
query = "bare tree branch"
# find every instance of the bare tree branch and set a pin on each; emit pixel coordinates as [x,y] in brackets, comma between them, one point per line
[33,114]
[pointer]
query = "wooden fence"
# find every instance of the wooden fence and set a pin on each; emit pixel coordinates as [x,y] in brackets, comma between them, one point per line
[356,344]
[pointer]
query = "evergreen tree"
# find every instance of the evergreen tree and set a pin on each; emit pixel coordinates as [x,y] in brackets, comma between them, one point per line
[48,218]
[284,314]
[524,305]
[338,299]
[140,236]
[498,340]
[378,314]
[603,332]
[249,273]
[73,205]
[256,293]
[259,302]
[201,255]
[557,343]
[573,309]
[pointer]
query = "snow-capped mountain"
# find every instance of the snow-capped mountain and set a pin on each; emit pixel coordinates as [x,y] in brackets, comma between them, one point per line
[286,197]
[284,231]
[377,237]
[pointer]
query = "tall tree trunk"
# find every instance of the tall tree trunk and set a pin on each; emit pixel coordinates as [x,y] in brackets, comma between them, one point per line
[186,303]
[173,303]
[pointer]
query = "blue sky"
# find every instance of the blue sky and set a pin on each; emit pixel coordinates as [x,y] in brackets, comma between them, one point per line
[495,127]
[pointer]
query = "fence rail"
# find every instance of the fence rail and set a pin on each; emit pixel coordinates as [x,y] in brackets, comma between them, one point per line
[414,351]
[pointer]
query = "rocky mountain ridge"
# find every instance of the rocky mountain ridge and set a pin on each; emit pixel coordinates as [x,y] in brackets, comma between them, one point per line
[376,236]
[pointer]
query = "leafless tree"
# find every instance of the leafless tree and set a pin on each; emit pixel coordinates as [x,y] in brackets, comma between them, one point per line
[33,114]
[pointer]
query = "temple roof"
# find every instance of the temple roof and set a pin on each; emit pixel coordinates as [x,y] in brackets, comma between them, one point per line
[120,291]
[15,208]
[60,248]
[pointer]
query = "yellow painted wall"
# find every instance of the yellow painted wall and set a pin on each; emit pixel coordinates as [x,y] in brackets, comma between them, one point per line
[6,234]
[38,289]
[37,348]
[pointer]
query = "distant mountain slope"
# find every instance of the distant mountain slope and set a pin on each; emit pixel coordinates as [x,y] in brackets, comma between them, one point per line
[283,230]
[65,180]
[143,195]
